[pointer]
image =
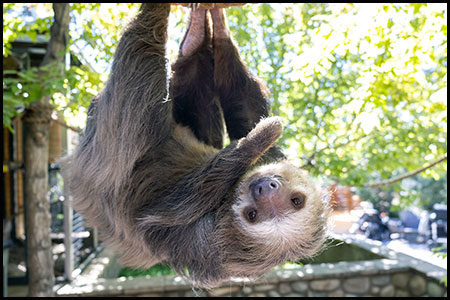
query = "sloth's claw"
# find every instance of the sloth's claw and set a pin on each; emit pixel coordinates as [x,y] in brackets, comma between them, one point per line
[261,138]
[195,33]
[220,26]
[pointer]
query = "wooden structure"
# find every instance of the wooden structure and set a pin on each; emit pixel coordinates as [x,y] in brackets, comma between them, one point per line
[25,55]
[341,198]
[77,239]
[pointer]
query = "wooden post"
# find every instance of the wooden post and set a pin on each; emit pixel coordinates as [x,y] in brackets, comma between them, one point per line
[19,201]
[68,215]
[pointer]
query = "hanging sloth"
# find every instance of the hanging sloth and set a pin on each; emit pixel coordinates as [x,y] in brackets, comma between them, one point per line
[152,173]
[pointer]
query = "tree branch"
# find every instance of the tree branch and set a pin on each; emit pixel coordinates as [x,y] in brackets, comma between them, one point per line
[79,131]
[329,146]
[409,174]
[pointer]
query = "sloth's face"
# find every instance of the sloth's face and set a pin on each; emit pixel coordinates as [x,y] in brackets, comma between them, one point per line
[271,196]
[279,203]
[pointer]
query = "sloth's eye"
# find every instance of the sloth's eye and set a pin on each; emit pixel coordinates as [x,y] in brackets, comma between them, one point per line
[298,201]
[251,215]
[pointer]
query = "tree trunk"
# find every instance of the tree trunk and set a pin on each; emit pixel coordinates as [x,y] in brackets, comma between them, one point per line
[37,122]
[37,203]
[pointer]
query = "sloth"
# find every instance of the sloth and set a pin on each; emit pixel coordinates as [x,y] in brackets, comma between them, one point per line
[152,173]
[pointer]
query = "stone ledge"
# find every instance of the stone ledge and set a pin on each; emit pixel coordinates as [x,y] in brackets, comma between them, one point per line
[139,285]
[87,284]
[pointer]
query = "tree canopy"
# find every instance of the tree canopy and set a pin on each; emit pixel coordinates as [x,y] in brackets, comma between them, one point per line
[362,87]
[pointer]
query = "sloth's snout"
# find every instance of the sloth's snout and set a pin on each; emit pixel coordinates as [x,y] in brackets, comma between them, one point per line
[264,188]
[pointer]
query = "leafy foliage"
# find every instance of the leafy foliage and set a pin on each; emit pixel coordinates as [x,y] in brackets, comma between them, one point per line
[18,22]
[72,89]
[362,87]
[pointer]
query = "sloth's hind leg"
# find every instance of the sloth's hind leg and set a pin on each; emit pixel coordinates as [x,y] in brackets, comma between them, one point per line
[192,84]
[242,95]
[196,32]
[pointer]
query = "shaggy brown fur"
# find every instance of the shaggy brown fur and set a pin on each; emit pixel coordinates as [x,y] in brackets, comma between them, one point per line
[151,173]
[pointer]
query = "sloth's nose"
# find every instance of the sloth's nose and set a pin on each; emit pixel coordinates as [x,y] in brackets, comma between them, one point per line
[265,188]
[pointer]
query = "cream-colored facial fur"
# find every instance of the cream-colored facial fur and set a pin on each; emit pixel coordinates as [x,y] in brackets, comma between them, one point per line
[282,230]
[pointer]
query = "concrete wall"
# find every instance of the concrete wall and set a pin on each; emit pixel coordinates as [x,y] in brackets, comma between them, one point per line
[396,274]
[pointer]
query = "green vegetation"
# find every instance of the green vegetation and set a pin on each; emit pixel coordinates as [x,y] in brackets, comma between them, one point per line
[156,270]
[362,87]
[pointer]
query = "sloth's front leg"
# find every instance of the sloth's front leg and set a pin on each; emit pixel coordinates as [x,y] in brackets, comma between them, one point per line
[201,190]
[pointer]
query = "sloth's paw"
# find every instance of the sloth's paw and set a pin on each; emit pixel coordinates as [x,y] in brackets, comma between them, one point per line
[262,137]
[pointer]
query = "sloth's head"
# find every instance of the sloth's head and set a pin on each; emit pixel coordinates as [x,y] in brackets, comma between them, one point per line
[282,208]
